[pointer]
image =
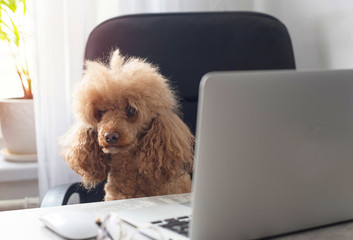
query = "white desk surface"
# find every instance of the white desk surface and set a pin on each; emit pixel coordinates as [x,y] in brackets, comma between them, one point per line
[24,224]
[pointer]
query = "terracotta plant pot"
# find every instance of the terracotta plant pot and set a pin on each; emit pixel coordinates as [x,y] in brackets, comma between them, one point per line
[17,125]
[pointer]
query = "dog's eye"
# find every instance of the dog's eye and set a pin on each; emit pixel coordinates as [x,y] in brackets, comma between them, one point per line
[101,113]
[130,111]
[98,114]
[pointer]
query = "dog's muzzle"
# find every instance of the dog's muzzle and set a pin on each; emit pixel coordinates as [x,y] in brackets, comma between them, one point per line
[111,137]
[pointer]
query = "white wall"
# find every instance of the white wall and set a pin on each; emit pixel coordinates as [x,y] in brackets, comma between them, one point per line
[321,30]
[113,8]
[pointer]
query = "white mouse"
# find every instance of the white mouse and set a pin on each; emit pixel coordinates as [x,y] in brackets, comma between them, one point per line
[72,224]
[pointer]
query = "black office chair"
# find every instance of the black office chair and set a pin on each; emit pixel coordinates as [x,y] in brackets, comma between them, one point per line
[186,46]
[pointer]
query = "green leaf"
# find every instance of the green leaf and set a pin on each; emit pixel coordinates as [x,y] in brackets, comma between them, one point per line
[3,36]
[24,6]
[7,26]
[12,5]
[16,33]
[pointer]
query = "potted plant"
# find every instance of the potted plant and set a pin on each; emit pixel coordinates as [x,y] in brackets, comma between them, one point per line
[17,114]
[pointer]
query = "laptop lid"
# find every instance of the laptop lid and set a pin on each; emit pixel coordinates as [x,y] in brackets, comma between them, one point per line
[274,153]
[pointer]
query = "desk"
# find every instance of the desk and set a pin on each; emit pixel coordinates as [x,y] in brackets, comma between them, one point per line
[24,224]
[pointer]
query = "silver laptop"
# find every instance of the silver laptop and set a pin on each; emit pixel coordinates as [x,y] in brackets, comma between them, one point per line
[274,154]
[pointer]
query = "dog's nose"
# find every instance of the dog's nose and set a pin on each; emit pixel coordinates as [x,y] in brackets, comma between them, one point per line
[111,137]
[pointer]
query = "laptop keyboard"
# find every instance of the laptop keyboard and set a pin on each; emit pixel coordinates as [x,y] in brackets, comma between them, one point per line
[179,225]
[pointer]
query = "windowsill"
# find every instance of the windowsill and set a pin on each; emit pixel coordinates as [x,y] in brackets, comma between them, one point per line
[17,171]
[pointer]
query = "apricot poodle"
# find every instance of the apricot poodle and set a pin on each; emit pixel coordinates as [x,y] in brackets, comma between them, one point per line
[128,131]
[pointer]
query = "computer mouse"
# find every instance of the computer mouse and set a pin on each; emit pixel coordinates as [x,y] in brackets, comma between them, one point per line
[72,224]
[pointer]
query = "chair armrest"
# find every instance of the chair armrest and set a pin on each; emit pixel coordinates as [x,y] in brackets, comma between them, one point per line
[60,195]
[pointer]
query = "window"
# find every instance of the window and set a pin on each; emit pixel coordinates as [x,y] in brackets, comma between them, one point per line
[10,84]
[9,81]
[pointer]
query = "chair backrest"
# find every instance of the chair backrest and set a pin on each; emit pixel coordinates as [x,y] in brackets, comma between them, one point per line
[185,46]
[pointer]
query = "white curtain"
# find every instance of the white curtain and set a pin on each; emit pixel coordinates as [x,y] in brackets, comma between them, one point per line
[320,30]
[61,29]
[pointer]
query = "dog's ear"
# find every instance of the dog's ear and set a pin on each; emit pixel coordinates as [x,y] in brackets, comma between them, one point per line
[166,150]
[116,60]
[82,153]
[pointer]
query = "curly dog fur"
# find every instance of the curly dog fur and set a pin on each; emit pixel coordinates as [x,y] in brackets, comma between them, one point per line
[128,130]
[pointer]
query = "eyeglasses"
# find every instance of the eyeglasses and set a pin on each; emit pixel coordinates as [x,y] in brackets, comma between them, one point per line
[112,228]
